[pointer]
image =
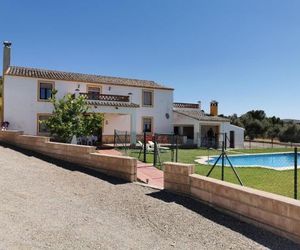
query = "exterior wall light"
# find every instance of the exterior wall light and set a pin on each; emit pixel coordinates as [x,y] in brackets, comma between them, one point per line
[78,88]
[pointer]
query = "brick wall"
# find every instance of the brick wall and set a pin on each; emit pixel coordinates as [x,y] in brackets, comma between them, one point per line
[119,166]
[276,213]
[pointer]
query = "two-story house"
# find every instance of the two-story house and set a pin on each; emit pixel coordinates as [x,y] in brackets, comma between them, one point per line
[127,104]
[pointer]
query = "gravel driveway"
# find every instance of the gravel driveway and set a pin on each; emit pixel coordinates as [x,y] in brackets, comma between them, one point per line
[51,204]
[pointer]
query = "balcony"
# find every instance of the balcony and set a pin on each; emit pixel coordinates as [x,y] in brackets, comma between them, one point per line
[104,97]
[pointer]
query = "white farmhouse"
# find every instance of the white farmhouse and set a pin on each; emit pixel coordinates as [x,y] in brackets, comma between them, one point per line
[127,104]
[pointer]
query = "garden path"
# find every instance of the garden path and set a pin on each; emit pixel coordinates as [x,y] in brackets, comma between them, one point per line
[146,173]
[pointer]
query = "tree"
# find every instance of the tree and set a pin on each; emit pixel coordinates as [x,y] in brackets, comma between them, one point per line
[273,132]
[290,133]
[71,116]
[257,114]
[235,120]
[258,125]
[254,128]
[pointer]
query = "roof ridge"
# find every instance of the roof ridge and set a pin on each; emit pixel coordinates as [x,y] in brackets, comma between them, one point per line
[84,77]
[203,116]
[79,73]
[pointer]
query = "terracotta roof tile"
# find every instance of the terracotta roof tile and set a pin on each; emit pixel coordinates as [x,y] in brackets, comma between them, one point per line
[186,105]
[78,77]
[200,115]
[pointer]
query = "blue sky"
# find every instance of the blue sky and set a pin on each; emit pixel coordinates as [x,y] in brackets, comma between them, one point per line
[243,53]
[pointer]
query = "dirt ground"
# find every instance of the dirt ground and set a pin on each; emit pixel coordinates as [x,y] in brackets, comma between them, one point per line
[51,204]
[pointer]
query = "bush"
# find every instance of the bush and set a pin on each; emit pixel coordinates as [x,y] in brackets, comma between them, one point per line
[290,133]
[71,116]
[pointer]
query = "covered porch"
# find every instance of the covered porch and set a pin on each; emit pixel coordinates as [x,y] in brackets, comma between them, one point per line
[209,135]
[198,128]
[200,134]
[119,113]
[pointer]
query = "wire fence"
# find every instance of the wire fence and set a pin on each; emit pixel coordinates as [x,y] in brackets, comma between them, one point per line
[269,144]
[150,148]
[155,149]
[262,166]
[121,140]
[158,148]
[272,171]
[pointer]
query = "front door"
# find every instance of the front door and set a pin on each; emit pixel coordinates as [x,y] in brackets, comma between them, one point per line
[231,139]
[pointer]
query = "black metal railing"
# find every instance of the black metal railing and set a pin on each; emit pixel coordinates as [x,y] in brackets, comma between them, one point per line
[105,97]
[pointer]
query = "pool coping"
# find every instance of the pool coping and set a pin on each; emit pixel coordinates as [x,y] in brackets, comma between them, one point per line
[205,159]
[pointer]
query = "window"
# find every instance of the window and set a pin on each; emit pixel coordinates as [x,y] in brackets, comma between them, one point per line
[41,127]
[93,92]
[45,90]
[147,98]
[147,124]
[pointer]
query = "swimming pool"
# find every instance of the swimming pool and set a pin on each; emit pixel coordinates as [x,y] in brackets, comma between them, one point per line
[277,161]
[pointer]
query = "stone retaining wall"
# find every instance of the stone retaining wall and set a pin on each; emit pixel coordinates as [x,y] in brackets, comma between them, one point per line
[119,166]
[276,213]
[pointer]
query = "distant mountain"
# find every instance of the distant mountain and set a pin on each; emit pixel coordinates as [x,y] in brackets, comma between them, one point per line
[291,120]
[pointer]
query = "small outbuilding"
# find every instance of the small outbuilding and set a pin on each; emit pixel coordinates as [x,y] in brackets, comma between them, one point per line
[205,130]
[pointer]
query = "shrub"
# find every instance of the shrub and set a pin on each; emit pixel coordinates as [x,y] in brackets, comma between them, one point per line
[71,116]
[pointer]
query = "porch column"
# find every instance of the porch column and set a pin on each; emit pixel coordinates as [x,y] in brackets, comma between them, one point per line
[133,128]
[196,133]
[199,137]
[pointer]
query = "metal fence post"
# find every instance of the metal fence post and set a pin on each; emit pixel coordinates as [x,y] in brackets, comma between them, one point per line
[125,143]
[172,148]
[296,173]
[114,138]
[176,155]
[222,177]
[145,143]
[155,152]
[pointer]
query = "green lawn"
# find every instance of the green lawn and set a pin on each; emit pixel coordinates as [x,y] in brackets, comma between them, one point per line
[280,182]
[274,181]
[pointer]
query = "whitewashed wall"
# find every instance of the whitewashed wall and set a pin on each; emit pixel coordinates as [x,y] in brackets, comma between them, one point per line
[21,105]
[225,127]
[238,134]
[182,120]
[115,121]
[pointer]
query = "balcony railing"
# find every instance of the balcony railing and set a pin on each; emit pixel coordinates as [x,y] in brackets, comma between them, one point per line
[104,97]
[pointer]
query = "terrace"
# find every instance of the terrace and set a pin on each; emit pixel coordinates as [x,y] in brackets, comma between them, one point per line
[113,106]
[104,97]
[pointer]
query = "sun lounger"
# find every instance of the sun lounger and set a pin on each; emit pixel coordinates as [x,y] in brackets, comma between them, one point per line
[149,149]
[159,147]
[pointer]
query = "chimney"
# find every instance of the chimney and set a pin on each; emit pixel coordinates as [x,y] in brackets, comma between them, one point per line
[214,108]
[6,55]
[199,105]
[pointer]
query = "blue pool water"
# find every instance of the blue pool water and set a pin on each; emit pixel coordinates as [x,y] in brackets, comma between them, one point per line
[263,160]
